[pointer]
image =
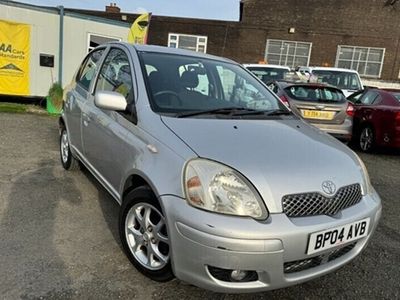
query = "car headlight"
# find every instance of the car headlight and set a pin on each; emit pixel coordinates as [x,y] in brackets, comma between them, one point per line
[215,187]
[367,182]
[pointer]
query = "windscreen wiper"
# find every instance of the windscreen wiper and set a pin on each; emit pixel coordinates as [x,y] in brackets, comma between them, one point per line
[274,112]
[223,111]
[278,112]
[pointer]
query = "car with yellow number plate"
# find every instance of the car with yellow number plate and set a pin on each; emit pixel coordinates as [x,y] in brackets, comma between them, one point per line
[322,105]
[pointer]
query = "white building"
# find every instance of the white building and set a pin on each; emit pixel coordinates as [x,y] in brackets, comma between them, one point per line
[62,37]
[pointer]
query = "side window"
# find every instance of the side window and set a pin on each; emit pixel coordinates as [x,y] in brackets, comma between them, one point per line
[355,98]
[369,98]
[203,83]
[115,75]
[377,100]
[88,69]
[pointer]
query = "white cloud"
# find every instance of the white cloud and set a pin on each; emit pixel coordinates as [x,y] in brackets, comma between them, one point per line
[141,10]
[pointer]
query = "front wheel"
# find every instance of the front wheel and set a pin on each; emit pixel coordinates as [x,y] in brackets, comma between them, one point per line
[144,237]
[67,160]
[367,139]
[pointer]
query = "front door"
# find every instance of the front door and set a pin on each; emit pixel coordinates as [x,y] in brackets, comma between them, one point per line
[104,137]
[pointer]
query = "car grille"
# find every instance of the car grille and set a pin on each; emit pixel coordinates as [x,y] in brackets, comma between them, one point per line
[311,204]
[308,263]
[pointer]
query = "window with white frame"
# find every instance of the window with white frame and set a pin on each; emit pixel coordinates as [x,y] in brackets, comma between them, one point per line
[95,40]
[366,61]
[190,42]
[288,53]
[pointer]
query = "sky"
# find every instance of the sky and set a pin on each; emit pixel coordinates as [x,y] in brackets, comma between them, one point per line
[204,9]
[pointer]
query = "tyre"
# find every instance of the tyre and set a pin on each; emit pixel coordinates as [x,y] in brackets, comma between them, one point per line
[366,139]
[143,233]
[68,162]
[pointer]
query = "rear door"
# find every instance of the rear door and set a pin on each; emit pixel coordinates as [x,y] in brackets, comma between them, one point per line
[76,98]
[317,104]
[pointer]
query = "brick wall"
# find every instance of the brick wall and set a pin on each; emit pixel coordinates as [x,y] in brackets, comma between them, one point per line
[329,23]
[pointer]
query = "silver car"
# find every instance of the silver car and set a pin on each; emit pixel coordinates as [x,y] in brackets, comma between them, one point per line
[220,185]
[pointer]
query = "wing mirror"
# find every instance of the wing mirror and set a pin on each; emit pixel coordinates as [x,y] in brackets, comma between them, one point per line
[110,101]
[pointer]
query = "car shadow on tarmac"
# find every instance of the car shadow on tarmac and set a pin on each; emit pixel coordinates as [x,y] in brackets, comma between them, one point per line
[30,263]
[109,206]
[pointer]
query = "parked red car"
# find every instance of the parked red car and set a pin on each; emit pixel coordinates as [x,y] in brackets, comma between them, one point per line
[376,118]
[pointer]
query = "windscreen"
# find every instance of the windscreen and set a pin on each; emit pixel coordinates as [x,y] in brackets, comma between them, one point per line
[315,94]
[267,74]
[179,84]
[340,79]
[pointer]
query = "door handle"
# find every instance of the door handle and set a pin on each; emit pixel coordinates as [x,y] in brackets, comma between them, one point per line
[69,101]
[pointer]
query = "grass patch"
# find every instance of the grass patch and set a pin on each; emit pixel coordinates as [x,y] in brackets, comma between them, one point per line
[13,108]
[7,107]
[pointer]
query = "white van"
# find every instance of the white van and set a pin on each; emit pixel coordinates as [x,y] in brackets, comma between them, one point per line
[345,79]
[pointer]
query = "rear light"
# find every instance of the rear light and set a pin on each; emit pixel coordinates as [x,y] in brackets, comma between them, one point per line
[398,118]
[350,110]
[284,100]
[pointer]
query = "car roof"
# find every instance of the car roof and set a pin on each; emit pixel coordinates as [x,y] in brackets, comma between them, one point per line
[384,90]
[390,90]
[286,83]
[169,50]
[267,66]
[329,69]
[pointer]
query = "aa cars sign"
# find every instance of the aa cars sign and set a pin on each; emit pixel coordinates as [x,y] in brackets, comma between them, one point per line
[14,58]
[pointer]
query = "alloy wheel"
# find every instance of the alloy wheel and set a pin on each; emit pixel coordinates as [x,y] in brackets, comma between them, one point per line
[366,139]
[64,146]
[146,234]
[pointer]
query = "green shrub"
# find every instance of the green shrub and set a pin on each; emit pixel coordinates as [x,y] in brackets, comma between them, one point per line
[56,95]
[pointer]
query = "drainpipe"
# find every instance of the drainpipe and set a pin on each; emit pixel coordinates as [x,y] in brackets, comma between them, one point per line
[60,44]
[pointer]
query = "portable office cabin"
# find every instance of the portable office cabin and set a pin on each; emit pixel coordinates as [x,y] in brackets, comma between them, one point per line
[58,41]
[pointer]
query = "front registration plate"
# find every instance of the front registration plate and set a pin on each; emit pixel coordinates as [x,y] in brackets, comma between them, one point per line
[323,240]
[317,114]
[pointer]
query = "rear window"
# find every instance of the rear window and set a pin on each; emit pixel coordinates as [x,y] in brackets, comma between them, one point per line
[314,93]
[268,74]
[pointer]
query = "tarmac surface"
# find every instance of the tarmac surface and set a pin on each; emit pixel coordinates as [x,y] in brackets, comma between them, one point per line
[59,238]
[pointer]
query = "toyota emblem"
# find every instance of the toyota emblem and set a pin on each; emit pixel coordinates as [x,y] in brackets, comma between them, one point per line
[329,187]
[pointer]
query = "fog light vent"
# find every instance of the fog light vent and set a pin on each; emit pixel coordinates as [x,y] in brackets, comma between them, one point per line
[230,275]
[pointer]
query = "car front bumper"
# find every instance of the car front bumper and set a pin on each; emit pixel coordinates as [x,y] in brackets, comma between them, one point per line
[200,240]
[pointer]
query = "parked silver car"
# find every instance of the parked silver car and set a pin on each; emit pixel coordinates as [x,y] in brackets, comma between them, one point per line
[219,183]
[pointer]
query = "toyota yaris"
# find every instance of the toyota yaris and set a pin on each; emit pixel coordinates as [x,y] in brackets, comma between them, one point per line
[220,185]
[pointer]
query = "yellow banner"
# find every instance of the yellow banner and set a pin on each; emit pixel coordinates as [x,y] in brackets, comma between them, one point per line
[139,29]
[14,58]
